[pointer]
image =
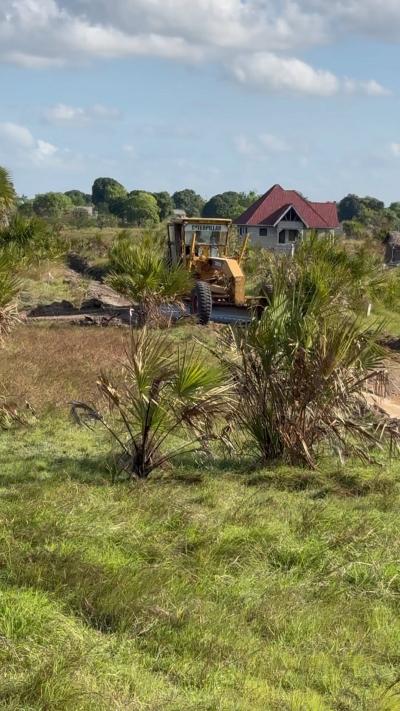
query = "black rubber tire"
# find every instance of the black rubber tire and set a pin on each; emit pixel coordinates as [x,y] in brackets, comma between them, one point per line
[202,302]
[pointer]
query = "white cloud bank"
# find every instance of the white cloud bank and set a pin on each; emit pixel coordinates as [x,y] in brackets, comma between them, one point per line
[267,71]
[37,33]
[19,138]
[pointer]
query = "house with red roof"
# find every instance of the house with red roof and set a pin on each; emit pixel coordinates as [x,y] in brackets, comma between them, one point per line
[278,219]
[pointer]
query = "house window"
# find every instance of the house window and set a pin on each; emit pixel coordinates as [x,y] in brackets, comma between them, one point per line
[282,237]
[243,231]
[263,231]
[293,234]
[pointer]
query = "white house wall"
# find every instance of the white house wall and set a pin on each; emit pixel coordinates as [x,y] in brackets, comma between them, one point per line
[270,241]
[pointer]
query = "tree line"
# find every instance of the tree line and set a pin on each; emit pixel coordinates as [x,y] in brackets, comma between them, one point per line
[115,204]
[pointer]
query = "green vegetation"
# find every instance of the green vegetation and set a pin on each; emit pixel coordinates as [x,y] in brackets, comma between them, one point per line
[368,216]
[139,271]
[189,201]
[52,205]
[301,372]
[225,580]
[212,588]
[7,195]
[229,204]
[162,394]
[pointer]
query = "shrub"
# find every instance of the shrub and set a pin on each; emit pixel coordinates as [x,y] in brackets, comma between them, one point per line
[29,240]
[139,271]
[164,396]
[301,372]
[9,287]
[326,268]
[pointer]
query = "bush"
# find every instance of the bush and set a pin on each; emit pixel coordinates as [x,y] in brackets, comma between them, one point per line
[302,370]
[164,395]
[9,287]
[324,266]
[30,240]
[139,271]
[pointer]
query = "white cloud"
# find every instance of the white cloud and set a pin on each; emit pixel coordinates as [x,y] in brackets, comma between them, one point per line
[62,113]
[395,149]
[39,33]
[19,135]
[20,140]
[261,145]
[270,72]
[267,71]
[370,88]
[44,150]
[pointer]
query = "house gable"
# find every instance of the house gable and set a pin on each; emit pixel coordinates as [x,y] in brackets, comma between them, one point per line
[268,209]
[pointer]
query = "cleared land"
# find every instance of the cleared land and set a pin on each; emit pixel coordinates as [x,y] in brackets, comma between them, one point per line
[210,587]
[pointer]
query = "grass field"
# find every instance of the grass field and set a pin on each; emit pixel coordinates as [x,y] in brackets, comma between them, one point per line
[213,586]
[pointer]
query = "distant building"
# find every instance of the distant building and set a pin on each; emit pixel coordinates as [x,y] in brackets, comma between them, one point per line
[179,213]
[392,249]
[89,209]
[280,217]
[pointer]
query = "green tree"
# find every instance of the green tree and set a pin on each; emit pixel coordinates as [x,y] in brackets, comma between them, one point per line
[140,208]
[371,203]
[78,198]
[52,205]
[350,208]
[165,204]
[228,204]
[189,201]
[105,190]
[7,195]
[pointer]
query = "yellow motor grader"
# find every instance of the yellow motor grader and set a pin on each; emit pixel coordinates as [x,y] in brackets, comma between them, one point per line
[202,246]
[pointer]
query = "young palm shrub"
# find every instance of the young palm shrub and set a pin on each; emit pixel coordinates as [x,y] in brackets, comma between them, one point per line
[352,280]
[7,196]
[164,397]
[9,287]
[301,372]
[139,271]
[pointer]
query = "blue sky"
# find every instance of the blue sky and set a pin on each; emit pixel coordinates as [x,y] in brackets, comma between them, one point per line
[215,95]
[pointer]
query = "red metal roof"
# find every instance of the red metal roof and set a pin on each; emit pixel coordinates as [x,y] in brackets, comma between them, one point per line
[268,208]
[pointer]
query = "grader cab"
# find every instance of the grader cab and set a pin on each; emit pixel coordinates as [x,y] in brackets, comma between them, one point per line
[202,246]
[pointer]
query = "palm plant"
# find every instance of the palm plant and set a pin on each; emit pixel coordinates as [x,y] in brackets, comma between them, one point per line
[164,396]
[139,271]
[350,278]
[302,370]
[7,195]
[9,287]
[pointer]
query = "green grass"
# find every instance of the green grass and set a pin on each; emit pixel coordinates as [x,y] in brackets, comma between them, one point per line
[209,587]
[49,282]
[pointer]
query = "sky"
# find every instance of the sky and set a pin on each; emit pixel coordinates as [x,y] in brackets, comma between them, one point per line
[212,95]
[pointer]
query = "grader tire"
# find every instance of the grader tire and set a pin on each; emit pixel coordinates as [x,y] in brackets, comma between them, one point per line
[202,302]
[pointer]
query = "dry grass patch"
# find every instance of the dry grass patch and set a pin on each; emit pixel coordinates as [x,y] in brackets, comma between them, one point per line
[51,364]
